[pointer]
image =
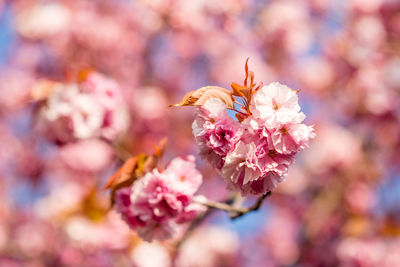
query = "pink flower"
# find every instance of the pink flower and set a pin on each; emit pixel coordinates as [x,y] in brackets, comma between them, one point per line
[184,175]
[124,207]
[366,252]
[281,234]
[70,115]
[107,92]
[292,136]
[79,111]
[253,155]
[159,201]
[274,103]
[155,199]
[215,132]
[335,147]
[159,255]
[254,169]
[91,155]
[208,247]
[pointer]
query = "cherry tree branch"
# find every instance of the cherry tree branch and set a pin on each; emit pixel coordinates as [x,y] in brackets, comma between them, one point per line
[235,211]
[253,207]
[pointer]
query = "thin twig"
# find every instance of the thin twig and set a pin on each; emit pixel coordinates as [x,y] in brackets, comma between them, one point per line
[219,205]
[237,111]
[237,102]
[238,201]
[236,211]
[254,207]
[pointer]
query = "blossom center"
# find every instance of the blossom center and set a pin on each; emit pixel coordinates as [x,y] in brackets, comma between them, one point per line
[284,130]
[272,153]
[275,105]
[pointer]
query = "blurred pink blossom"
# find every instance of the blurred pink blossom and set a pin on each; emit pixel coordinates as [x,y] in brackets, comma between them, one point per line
[91,155]
[360,198]
[150,255]
[80,111]
[334,147]
[281,237]
[208,247]
[368,252]
[159,201]
[43,20]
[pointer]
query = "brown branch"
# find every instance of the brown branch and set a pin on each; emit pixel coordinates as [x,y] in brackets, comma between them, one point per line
[219,205]
[253,207]
[235,211]
[238,201]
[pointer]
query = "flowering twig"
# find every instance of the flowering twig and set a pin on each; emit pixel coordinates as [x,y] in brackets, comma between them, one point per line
[219,205]
[235,211]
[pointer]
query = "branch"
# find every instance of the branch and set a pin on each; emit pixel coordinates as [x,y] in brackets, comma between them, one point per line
[218,205]
[253,207]
[235,211]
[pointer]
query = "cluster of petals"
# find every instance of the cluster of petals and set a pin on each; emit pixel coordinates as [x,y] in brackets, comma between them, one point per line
[157,203]
[253,156]
[93,108]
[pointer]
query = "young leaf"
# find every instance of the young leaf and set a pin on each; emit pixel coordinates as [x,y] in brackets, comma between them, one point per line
[160,148]
[201,95]
[240,90]
[125,173]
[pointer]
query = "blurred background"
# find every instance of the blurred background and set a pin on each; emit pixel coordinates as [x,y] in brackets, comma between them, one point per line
[124,61]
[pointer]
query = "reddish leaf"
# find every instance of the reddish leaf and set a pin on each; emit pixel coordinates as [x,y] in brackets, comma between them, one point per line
[123,174]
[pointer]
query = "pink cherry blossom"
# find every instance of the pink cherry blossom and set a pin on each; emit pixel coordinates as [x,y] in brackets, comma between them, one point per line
[208,247]
[274,103]
[368,252]
[253,169]
[75,111]
[184,175]
[253,155]
[70,115]
[159,255]
[155,199]
[292,136]
[215,132]
[108,93]
[158,202]
[91,155]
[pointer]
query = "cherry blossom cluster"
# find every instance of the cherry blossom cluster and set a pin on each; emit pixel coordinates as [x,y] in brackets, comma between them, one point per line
[253,153]
[157,203]
[91,108]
